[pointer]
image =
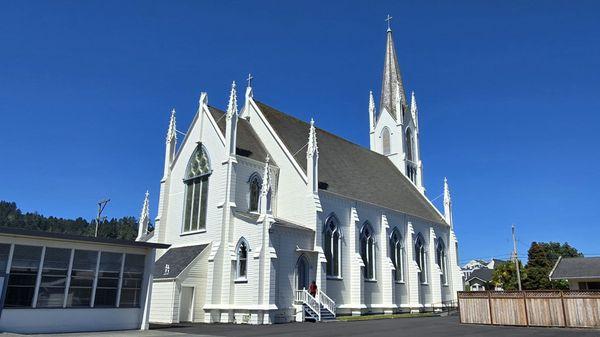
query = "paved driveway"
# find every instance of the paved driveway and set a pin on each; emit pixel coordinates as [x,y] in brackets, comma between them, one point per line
[426,326]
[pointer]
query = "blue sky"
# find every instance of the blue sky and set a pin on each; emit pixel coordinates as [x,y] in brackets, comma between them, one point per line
[507,92]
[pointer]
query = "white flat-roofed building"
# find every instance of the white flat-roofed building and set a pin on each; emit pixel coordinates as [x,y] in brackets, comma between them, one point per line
[54,282]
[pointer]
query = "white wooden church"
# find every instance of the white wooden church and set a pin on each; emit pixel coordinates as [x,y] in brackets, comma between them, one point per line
[258,204]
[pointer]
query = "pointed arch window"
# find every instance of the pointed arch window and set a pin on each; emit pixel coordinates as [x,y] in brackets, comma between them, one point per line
[409,145]
[397,255]
[367,251]
[385,141]
[255,186]
[332,244]
[440,260]
[242,260]
[421,258]
[196,191]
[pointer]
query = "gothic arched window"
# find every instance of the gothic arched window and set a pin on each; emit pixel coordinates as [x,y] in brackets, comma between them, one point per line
[196,191]
[255,185]
[421,258]
[409,145]
[367,250]
[440,259]
[332,244]
[397,255]
[242,260]
[385,141]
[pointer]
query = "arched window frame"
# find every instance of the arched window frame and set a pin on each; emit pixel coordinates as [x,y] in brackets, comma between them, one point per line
[421,257]
[367,250]
[254,188]
[386,141]
[397,254]
[242,251]
[332,244]
[196,179]
[441,260]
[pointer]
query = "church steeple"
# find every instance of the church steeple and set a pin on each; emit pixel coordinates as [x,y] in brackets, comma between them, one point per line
[395,133]
[392,89]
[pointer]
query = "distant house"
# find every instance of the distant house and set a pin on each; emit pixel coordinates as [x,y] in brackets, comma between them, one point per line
[582,273]
[472,266]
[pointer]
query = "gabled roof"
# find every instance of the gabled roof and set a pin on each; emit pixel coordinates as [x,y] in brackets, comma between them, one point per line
[248,143]
[483,274]
[351,170]
[576,267]
[177,259]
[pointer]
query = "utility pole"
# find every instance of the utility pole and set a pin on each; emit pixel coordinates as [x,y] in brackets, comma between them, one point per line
[101,206]
[515,257]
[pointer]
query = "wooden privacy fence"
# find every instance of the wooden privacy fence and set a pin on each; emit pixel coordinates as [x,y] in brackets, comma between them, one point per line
[575,309]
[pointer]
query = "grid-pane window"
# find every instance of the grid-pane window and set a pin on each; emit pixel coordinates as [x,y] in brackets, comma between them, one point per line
[23,276]
[440,260]
[54,278]
[108,279]
[133,274]
[196,192]
[83,273]
[4,252]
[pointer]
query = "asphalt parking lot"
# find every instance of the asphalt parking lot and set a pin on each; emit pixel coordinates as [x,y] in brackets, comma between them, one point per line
[425,326]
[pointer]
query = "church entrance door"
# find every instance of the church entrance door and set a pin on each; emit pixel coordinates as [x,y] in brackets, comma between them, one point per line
[302,273]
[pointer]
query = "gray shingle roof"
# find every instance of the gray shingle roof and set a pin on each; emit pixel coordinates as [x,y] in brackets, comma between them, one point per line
[351,170]
[177,260]
[483,274]
[577,267]
[248,143]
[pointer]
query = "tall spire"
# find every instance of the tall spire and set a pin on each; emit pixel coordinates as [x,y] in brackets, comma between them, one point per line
[144,218]
[392,89]
[312,140]
[172,133]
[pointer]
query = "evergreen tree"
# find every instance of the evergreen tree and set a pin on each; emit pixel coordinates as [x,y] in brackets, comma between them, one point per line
[542,257]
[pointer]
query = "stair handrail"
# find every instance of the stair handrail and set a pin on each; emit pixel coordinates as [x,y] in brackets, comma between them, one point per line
[306,298]
[326,301]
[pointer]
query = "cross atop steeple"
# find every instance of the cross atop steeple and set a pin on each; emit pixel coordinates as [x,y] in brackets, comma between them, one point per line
[388,19]
[249,79]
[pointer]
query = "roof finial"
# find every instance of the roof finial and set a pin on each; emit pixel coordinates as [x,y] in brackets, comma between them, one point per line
[144,218]
[172,132]
[232,106]
[312,139]
[388,19]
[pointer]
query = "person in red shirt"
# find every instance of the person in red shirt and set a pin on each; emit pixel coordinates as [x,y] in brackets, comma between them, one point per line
[312,288]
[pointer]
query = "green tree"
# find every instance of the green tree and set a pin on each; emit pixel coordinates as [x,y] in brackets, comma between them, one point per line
[541,258]
[505,275]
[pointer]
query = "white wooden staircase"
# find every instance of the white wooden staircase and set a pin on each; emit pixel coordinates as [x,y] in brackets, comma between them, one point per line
[318,308]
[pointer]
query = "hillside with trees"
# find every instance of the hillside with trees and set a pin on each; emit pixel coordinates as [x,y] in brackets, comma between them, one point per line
[121,228]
